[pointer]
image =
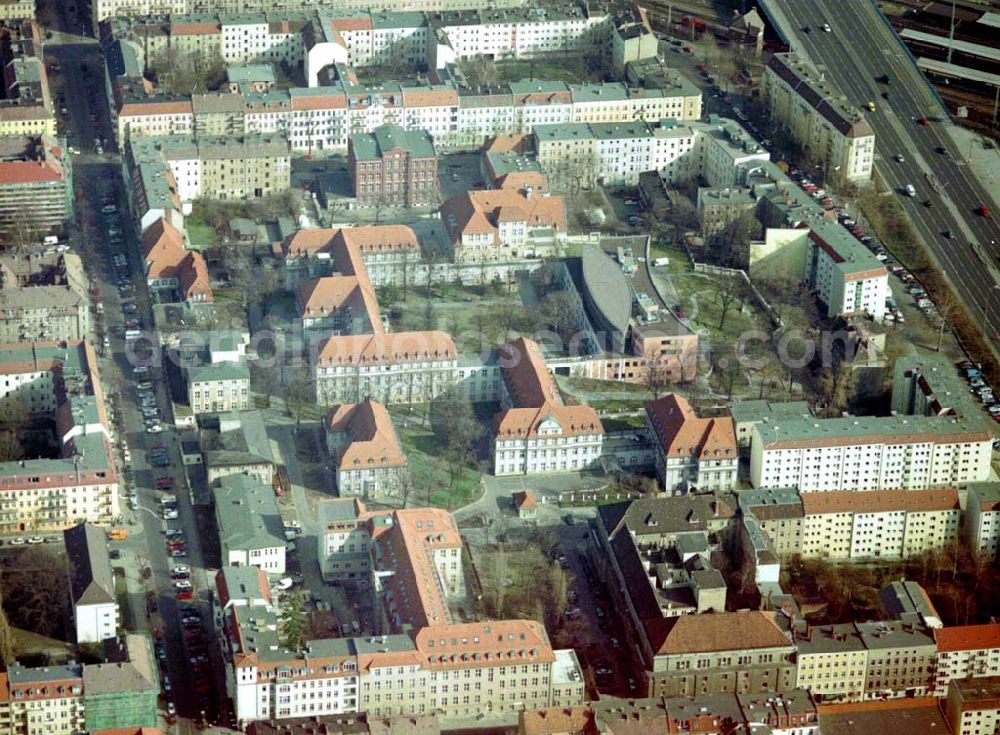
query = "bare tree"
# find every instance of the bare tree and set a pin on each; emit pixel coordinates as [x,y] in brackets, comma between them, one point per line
[658,377]
[299,394]
[6,636]
[558,311]
[733,290]
[682,212]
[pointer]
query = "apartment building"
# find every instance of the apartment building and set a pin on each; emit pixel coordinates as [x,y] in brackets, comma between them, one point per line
[717,208]
[365,451]
[43,700]
[847,277]
[972,706]
[218,388]
[381,254]
[779,513]
[982,525]
[632,39]
[901,659]
[58,381]
[398,367]
[92,585]
[123,692]
[536,433]
[616,153]
[936,438]
[233,167]
[324,117]
[515,33]
[393,167]
[17,10]
[856,662]
[251,532]
[832,662]
[748,414]
[26,108]
[423,662]
[820,119]
[174,272]
[43,297]
[692,453]
[36,186]
[500,225]
[888,524]
[869,453]
[965,652]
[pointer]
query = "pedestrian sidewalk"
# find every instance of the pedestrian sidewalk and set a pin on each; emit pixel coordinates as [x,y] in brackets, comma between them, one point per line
[984,162]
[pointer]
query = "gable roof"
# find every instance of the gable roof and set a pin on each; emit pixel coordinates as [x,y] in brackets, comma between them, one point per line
[526,375]
[480,212]
[708,632]
[166,257]
[372,436]
[91,579]
[527,422]
[968,637]
[395,347]
[681,433]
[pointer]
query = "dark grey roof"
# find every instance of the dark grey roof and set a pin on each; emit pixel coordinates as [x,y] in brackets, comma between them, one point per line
[91,579]
[658,516]
[637,583]
[805,81]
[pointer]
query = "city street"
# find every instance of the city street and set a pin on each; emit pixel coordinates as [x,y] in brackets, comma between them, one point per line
[859,49]
[98,185]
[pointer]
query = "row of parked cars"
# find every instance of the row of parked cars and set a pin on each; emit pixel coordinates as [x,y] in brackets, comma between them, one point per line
[972,372]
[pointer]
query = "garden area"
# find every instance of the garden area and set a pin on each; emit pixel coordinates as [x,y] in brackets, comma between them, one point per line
[964,587]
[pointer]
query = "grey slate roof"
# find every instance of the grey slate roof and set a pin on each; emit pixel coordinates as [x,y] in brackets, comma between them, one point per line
[91,579]
[247,514]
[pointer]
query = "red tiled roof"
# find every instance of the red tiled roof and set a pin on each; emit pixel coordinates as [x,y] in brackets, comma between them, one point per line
[526,422]
[395,347]
[497,642]
[968,637]
[479,212]
[372,436]
[525,499]
[526,375]
[682,433]
[28,172]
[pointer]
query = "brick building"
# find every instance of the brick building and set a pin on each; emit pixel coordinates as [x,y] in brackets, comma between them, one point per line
[391,167]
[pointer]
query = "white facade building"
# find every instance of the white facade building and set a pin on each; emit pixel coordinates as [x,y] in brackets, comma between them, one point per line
[869,453]
[819,118]
[982,522]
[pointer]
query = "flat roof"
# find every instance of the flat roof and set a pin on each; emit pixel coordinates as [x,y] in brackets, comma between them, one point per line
[965,47]
[959,72]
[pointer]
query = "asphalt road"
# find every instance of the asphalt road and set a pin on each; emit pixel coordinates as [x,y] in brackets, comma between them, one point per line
[79,87]
[860,48]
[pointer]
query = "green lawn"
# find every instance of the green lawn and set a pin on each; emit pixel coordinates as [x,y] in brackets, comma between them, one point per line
[429,470]
[571,70]
[618,404]
[622,423]
[121,596]
[200,234]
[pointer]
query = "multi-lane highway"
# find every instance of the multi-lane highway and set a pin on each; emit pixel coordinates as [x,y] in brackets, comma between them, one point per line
[858,50]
